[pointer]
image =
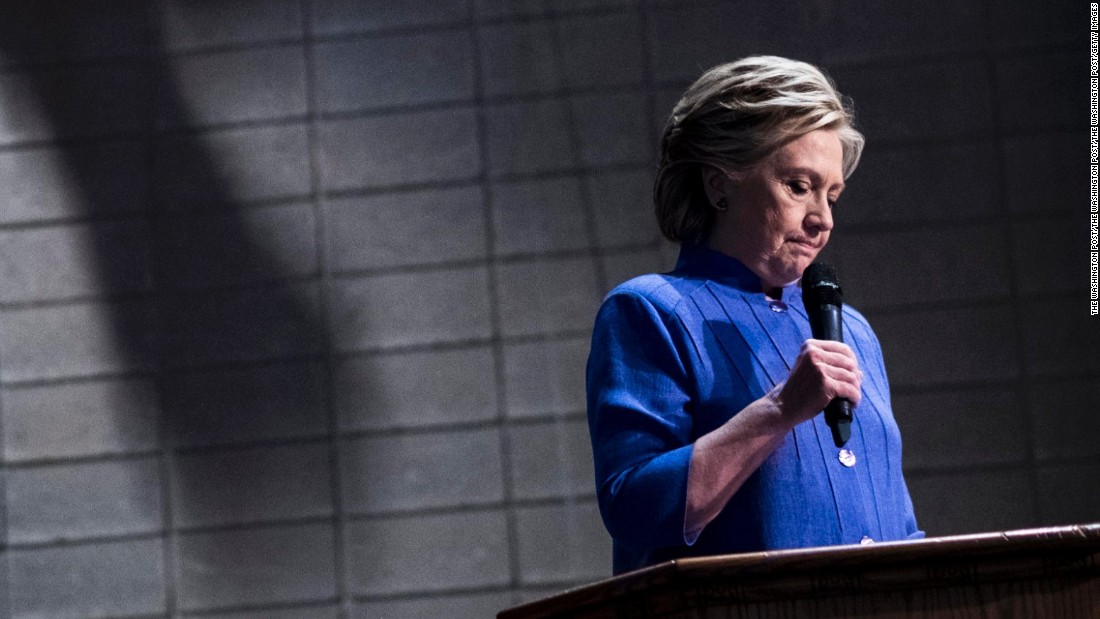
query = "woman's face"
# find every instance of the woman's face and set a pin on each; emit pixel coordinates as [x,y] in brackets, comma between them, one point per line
[780,212]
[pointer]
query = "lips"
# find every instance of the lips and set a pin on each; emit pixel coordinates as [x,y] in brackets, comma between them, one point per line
[808,244]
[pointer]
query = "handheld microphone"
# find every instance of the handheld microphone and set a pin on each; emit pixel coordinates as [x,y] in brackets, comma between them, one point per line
[823,297]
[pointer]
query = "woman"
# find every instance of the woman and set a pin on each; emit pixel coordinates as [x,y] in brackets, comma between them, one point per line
[704,385]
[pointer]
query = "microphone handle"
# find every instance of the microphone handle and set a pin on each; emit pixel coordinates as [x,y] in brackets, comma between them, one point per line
[838,413]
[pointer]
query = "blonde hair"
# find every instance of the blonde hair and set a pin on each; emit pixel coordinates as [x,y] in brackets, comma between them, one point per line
[733,117]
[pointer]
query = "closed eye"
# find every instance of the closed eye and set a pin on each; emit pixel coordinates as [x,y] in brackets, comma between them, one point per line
[798,188]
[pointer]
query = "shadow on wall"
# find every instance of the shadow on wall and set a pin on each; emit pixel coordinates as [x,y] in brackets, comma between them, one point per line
[229,335]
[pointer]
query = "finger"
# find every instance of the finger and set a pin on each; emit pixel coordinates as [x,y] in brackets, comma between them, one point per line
[852,394]
[838,358]
[833,346]
[846,390]
[831,382]
[844,375]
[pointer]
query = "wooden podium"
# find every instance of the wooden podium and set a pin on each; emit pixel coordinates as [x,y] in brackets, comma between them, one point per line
[1050,572]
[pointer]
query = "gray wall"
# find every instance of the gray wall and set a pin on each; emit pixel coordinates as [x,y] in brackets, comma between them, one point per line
[295,296]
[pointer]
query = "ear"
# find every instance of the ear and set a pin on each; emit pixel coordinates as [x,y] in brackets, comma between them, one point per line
[717,183]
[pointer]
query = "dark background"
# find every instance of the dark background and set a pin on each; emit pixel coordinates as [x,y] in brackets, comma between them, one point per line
[295,296]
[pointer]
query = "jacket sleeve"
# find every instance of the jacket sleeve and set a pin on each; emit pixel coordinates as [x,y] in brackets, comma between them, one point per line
[639,416]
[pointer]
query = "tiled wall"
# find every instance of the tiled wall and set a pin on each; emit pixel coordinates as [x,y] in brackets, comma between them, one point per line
[295,295]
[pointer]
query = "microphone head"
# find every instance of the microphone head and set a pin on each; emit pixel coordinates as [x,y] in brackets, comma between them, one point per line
[820,286]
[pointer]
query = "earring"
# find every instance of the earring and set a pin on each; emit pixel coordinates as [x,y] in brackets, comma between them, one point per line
[721,205]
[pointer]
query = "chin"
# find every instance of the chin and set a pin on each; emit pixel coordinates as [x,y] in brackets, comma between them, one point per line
[786,269]
[803,263]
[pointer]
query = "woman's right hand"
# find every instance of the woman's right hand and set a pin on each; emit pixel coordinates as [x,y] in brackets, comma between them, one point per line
[823,370]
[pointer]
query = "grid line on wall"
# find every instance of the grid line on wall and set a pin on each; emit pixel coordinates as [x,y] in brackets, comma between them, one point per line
[1031,466]
[588,208]
[166,458]
[322,238]
[500,420]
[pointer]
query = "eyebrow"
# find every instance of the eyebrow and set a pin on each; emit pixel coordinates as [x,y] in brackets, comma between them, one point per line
[812,174]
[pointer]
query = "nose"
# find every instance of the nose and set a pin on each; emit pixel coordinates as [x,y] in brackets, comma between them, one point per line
[820,216]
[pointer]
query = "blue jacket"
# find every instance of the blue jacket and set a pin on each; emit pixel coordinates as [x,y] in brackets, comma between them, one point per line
[673,357]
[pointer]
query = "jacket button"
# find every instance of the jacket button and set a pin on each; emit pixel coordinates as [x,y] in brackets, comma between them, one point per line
[847,457]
